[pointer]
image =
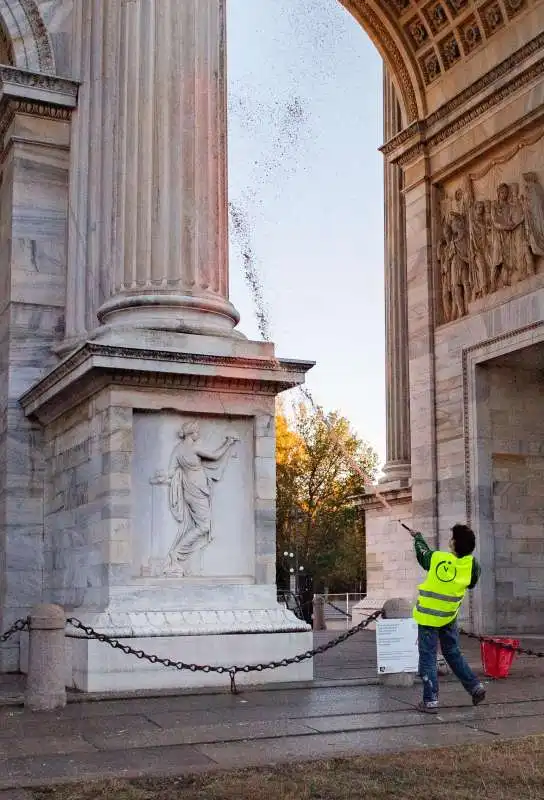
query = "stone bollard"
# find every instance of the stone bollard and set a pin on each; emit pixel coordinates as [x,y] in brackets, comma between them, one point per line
[319,613]
[397,608]
[45,683]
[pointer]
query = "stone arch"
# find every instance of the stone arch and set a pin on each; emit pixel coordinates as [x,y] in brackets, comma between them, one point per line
[375,17]
[24,40]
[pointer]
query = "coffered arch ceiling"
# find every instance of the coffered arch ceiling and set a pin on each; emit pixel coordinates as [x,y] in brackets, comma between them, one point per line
[422,41]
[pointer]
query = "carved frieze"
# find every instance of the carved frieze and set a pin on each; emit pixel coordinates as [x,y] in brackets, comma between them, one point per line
[491,229]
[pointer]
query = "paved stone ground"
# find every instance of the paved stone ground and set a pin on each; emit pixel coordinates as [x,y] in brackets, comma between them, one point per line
[340,715]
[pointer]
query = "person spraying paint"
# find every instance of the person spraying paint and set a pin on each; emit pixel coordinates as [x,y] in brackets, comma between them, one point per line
[449,575]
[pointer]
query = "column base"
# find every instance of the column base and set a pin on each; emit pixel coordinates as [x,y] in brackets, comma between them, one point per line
[97,667]
[396,473]
[170,312]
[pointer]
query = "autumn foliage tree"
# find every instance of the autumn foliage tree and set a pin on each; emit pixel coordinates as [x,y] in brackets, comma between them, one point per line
[316,479]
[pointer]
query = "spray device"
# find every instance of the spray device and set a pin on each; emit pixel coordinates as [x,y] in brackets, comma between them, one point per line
[410,530]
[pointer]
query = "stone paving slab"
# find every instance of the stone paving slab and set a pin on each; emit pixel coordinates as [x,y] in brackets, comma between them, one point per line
[15,794]
[513,727]
[129,740]
[44,746]
[330,745]
[32,771]
[206,734]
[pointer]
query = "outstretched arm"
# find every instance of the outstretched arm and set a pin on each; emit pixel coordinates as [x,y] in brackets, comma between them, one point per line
[215,455]
[423,551]
[476,570]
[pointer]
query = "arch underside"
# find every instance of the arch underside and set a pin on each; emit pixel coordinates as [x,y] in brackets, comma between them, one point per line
[24,40]
[421,41]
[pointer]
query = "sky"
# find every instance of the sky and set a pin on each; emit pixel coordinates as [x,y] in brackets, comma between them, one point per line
[306,177]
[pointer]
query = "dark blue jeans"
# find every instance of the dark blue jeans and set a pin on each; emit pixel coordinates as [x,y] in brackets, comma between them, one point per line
[448,636]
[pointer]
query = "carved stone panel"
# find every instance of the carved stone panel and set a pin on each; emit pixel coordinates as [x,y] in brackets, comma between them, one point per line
[193,497]
[490,228]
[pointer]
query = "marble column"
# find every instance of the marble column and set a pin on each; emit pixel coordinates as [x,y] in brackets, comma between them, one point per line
[170,226]
[95,56]
[397,467]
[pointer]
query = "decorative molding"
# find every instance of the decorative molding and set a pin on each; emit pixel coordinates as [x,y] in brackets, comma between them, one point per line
[31,44]
[413,130]
[490,77]
[393,496]
[420,129]
[497,162]
[396,61]
[198,622]
[95,366]
[24,92]
[6,44]
[518,82]
[64,90]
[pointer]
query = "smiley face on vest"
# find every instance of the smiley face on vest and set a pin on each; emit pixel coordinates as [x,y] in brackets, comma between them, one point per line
[446,571]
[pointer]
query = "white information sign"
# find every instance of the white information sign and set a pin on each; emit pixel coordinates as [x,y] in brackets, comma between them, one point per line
[396,645]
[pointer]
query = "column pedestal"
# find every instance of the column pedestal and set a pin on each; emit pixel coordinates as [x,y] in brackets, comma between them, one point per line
[160,509]
[392,569]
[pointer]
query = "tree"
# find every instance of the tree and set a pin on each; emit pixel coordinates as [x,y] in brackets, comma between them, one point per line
[321,465]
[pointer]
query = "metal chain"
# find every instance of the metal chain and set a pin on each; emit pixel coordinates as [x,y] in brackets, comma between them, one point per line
[519,650]
[220,670]
[20,625]
[337,608]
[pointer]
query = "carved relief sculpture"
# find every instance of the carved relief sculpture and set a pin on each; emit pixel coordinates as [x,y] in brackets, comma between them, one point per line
[511,256]
[533,196]
[489,244]
[190,478]
[460,266]
[445,254]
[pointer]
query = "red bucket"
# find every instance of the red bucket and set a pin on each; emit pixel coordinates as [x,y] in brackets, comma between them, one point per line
[497,660]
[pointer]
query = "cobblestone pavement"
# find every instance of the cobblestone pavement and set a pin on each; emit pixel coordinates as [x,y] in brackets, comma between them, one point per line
[340,715]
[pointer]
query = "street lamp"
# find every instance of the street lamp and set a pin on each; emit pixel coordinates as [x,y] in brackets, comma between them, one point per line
[294,568]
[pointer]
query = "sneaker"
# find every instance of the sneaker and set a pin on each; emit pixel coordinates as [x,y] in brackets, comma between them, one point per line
[431,707]
[478,695]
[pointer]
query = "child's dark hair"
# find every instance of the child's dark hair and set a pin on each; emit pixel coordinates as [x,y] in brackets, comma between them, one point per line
[464,540]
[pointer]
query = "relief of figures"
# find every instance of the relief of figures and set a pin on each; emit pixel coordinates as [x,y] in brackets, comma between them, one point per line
[489,244]
[193,470]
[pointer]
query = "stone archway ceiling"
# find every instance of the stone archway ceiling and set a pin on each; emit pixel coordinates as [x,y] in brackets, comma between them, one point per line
[441,33]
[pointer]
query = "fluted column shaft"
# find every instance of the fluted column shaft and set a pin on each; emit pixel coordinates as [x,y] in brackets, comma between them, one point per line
[149,217]
[397,465]
[170,238]
[92,165]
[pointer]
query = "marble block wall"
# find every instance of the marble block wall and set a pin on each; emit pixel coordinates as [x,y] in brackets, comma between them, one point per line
[516,404]
[87,502]
[33,199]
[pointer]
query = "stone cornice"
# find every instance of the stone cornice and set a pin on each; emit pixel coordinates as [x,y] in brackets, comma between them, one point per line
[36,94]
[445,122]
[95,366]
[392,496]
[37,87]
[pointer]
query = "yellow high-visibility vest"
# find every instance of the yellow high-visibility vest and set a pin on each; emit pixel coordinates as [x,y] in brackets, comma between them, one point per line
[441,594]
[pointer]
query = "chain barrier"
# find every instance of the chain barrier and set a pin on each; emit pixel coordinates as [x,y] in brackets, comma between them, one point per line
[522,651]
[337,608]
[20,625]
[234,669]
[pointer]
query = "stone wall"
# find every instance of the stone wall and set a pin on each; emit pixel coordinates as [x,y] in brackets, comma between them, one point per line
[87,508]
[516,401]
[33,262]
